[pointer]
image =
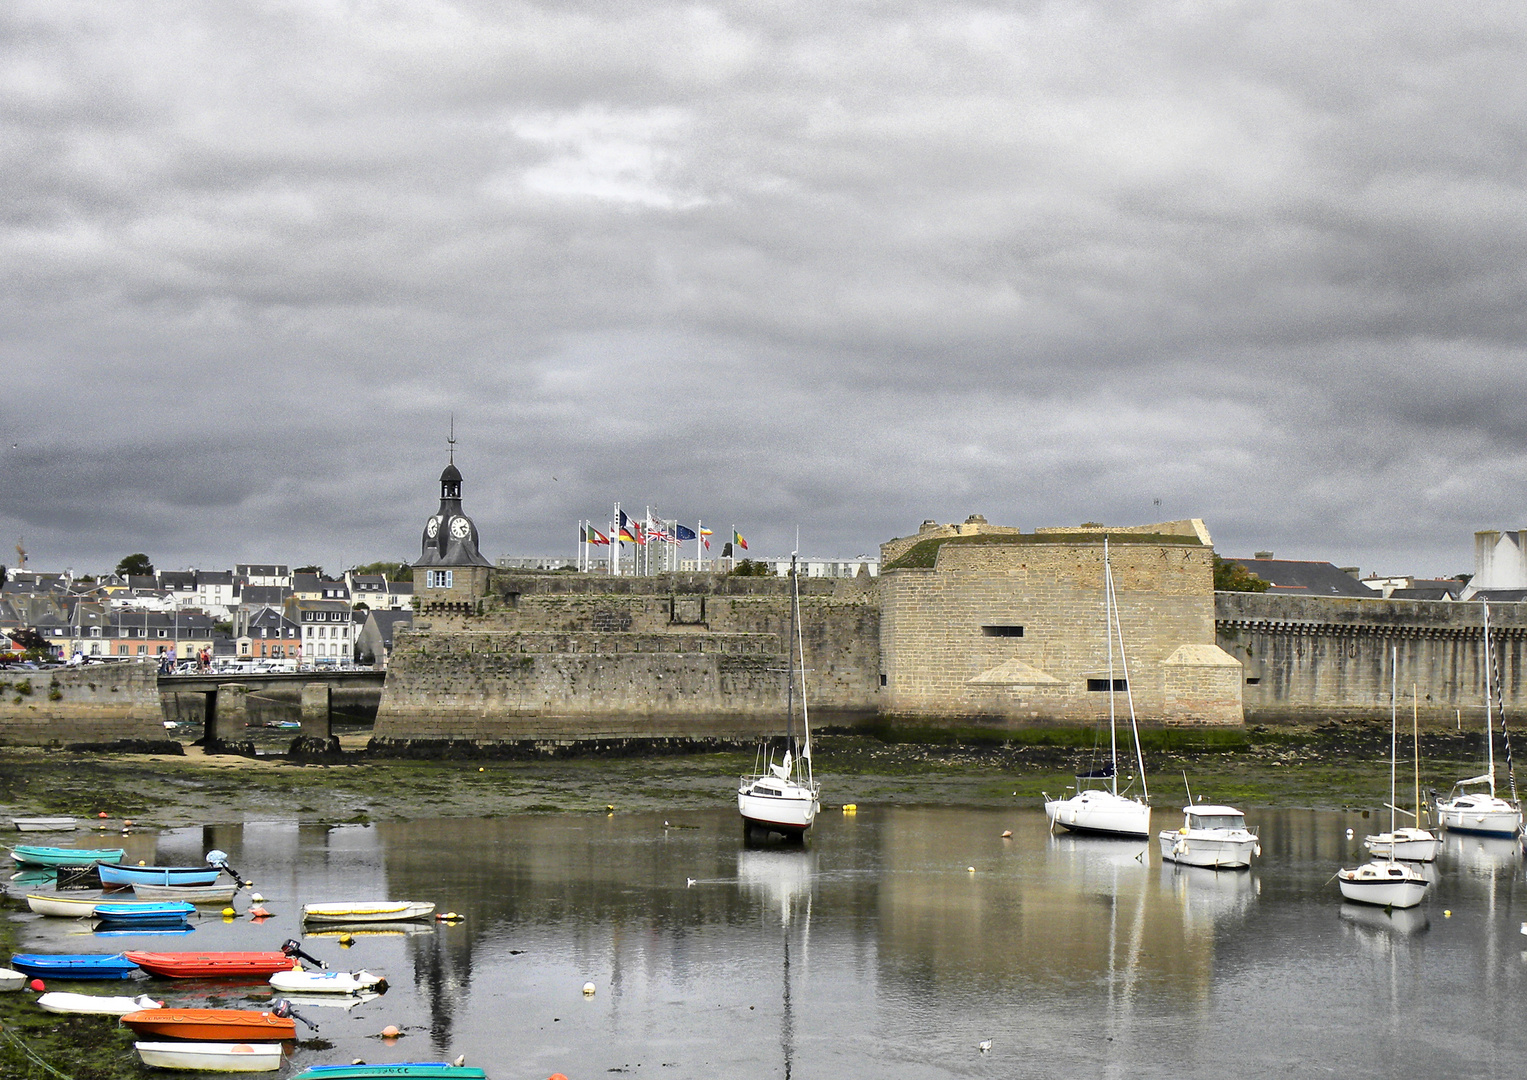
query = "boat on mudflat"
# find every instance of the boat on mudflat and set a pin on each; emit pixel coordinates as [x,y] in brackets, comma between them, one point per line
[191,894]
[63,907]
[212,965]
[407,1070]
[211,1057]
[74,965]
[44,824]
[326,982]
[368,911]
[34,855]
[114,873]
[11,980]
[211,1025]
[59,1001]
[143,913]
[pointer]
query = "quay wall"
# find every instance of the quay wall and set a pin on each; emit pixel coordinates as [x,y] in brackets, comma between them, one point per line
[1318,658]
[96,705]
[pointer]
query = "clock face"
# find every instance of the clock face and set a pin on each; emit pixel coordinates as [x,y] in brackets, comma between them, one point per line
[431,527]
[460,528]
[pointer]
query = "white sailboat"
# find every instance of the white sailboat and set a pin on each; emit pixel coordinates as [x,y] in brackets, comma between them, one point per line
[1102,809]
[1386,882]
[1409,844]
[783,797]
[1467,811]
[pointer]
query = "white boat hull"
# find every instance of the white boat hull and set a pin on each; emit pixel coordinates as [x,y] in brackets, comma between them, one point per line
[368,911]
[11,979]
[1481,820]
[63,907]
[1407,845]
[191,894]
[95,1005]
[1102,813]
[211,1057]
[1232,852]
[792,811]
[44,824]
[1384,884]
[324,982]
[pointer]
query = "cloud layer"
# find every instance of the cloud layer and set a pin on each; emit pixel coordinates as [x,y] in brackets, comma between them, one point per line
[844,267]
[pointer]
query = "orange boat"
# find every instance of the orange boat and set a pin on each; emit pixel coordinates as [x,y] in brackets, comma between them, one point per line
[213,965]
[212,1025]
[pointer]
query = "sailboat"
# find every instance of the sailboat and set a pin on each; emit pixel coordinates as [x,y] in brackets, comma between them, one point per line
[1467,811]
[1386,882]
[783,797]
[1101,809]
[1412,844]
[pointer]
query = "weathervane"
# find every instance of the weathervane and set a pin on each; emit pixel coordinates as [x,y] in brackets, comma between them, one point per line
[451,440]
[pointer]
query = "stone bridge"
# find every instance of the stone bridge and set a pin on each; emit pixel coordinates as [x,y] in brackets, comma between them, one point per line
[224,703]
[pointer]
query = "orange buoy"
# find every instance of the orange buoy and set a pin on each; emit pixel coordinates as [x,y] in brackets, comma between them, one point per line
[38,985]
[390,1031]
[101,814]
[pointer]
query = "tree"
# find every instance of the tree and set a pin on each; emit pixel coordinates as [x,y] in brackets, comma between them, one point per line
[749,568]
[1233,577]
[309,570]
[136,565]
[392,571]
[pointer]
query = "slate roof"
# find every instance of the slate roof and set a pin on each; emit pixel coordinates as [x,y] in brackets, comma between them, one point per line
[263,595]
[1297,577]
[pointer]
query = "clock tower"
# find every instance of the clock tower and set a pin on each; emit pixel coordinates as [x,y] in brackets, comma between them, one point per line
[450,573]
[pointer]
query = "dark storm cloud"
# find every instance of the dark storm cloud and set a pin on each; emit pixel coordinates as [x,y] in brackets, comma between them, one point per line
[841,267]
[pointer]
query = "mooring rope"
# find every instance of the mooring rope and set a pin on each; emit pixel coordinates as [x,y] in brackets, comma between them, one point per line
[15,1040]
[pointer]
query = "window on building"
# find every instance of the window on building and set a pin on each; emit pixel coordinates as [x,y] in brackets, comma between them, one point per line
[1102,684]
[438,579]
[244,647]
[1002,630]
[121,650]
[95,631]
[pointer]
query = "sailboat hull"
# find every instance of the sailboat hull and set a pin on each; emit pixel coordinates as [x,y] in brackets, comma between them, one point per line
[784,808]
[1408,845]
[1480,820]
[1101,813]
[1385,884]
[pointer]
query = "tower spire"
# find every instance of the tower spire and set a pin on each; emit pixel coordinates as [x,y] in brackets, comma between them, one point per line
[451,441]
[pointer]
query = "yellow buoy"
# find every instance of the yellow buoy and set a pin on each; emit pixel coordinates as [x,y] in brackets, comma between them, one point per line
[849,808]
[229,913]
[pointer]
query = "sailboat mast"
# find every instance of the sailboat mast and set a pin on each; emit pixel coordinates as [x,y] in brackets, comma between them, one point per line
[1394,746]
[1415,738]
[1129,692]
[800,650]
[1113,736]
[790,675]
[1489,717]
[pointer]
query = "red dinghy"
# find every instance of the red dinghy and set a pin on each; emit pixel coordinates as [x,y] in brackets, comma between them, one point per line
[212,1025]
[213,965]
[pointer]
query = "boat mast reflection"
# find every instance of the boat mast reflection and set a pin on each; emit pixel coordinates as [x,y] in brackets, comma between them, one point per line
[781,880]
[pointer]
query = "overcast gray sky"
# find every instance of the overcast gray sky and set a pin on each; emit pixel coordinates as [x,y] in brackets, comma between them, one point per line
[844,266]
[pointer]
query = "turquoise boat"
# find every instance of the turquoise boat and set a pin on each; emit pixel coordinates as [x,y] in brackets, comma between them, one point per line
[411,1070]
[144,913]
[29,855]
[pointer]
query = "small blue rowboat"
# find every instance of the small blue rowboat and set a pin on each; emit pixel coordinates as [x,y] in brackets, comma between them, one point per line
[31,855]
[411,1070]
[144,912]
[114,873]
[74,965]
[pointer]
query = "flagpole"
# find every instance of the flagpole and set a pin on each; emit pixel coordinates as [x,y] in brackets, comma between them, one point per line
[615,543]
[699,545]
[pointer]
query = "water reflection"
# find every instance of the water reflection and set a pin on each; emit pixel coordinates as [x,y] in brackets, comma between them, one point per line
[890,946]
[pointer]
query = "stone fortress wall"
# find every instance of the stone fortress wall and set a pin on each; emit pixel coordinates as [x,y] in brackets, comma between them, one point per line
[94,705]
[1312,657]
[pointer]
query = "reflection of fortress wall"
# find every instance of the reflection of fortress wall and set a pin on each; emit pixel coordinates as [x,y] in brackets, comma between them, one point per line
[1014,632]
[1330,657]
[1085,916]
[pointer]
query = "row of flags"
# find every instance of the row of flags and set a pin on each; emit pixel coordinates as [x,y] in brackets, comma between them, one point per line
[652,531]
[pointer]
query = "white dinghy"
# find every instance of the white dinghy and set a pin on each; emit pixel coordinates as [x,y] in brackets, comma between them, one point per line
[326,982]
[43,824]
[368,911]
[1102,810]
[64,907]
[11,979]
[211,1057]
[95,1004]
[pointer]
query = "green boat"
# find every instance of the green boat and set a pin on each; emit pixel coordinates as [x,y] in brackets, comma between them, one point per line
[29,855]
[412,1070]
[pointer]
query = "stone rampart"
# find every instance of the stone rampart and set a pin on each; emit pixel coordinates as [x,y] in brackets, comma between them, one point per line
[95,705]
[1310,658]
[1015,633]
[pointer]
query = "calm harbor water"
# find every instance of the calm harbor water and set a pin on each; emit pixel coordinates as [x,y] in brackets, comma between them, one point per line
[875,951]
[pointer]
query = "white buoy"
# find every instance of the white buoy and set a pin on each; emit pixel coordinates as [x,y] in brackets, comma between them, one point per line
[1349,834]
[588,989]
[257,898]
[972,869]
[984,1045]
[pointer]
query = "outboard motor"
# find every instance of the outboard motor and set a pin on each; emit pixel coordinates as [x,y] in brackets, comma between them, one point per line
[218,860]
[284,1009]
[291,948]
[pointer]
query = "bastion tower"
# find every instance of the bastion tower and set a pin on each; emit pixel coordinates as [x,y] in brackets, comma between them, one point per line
[450,573]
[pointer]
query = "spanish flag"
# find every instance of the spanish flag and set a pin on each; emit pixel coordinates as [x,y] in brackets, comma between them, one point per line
[738,540]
